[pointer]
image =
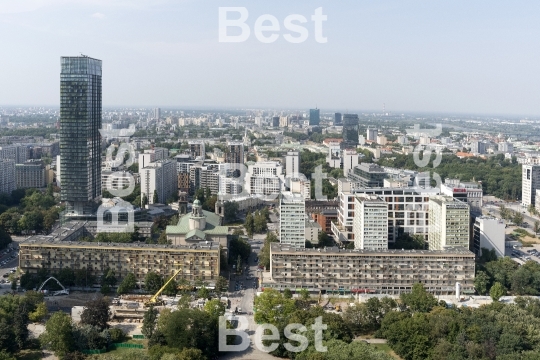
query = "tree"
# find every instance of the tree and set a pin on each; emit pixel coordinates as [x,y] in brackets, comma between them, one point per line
[20,325]
[155,198]
[497,291]
[273,307]
[419,300]
[152,282]
[144,201]
[128,284]
[287,293]
[304,294]
[58,335]
[481,282]
[184,301]
[149,322]
[250,224]
[203,293]
[536,226]
[38,314]
[531,209]
[108,278]
[96,313]
[215,308]
[518,218]
[221,285]
[170,289]
[325,240]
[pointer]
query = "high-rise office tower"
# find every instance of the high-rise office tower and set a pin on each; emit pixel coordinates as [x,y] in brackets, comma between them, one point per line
[80,121]
[530,182]
[350,129]
[314,116]
[275,121]
[157,113]
[337,119]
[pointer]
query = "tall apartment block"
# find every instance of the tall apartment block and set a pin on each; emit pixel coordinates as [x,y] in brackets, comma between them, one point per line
[292,221]
[235,153]
[314,116]
[196,149]
[449,223]
[161,177]
[350,160]
[371,134]
[292,163]
[30,175]
[530,182]
[7,176]
[17,153]
[370,224]
[80,140]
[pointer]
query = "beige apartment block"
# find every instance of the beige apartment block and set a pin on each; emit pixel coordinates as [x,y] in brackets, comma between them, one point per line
[198,262]
[370,271]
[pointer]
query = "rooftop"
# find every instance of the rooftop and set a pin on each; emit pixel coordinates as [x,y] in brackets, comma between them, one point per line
[280,248]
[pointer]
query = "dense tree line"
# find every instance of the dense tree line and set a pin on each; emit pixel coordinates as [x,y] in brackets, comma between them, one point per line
[257,221]
[264,255]
[34,211]
[16,312]
[500,177]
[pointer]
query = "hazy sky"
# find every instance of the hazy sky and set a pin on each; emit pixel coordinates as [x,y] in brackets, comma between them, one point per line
[444,56]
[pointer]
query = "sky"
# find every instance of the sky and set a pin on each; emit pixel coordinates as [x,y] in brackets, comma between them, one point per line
[454,56]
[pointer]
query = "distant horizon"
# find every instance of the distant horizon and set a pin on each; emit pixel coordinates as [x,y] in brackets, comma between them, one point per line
[323,110]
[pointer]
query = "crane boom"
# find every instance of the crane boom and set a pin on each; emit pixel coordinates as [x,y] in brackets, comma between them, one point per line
[154,298]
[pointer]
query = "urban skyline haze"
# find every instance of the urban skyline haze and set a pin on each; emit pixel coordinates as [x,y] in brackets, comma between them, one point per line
[457,57]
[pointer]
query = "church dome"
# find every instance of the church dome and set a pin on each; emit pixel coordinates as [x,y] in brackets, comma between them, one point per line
[197,203]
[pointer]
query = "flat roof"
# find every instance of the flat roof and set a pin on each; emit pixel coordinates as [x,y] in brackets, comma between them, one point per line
[280,248]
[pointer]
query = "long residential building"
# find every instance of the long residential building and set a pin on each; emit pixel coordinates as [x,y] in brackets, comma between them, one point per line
[31,174]
[62,250]
[370,271]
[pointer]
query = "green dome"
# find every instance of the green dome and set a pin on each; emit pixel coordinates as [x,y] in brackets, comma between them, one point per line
[197,203]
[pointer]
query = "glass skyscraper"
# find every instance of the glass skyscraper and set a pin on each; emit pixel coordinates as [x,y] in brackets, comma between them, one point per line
[80,121]
[350,129]
[314,116]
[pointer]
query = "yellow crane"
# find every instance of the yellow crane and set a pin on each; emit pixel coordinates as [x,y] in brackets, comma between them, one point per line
[154,300]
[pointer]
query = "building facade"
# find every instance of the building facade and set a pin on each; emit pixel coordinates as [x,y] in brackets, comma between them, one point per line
[530,182]
[292,210]
[159,177]
[392,272]
[449,223]
[7,176]
[489,233]
[30,175]
[370,223]
[235,153]
[350,129]
[80,140]
[314,116]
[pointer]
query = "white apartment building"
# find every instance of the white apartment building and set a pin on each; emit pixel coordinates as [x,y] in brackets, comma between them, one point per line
[350,160]
[370,223]
[407,209]
[159,176]
[530,182]
[264,178]
[292,217]
[292,163]
[334,155]
[449,222]
[489,233]
[371,134]
[7,176]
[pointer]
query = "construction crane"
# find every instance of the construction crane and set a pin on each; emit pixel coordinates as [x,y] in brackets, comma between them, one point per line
[154,300]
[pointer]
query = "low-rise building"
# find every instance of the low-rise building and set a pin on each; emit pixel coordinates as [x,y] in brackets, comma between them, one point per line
[313,229]
[370,271]
[489,233]
[31,174]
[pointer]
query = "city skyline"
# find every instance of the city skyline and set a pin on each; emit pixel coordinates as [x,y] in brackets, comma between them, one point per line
[445,58]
